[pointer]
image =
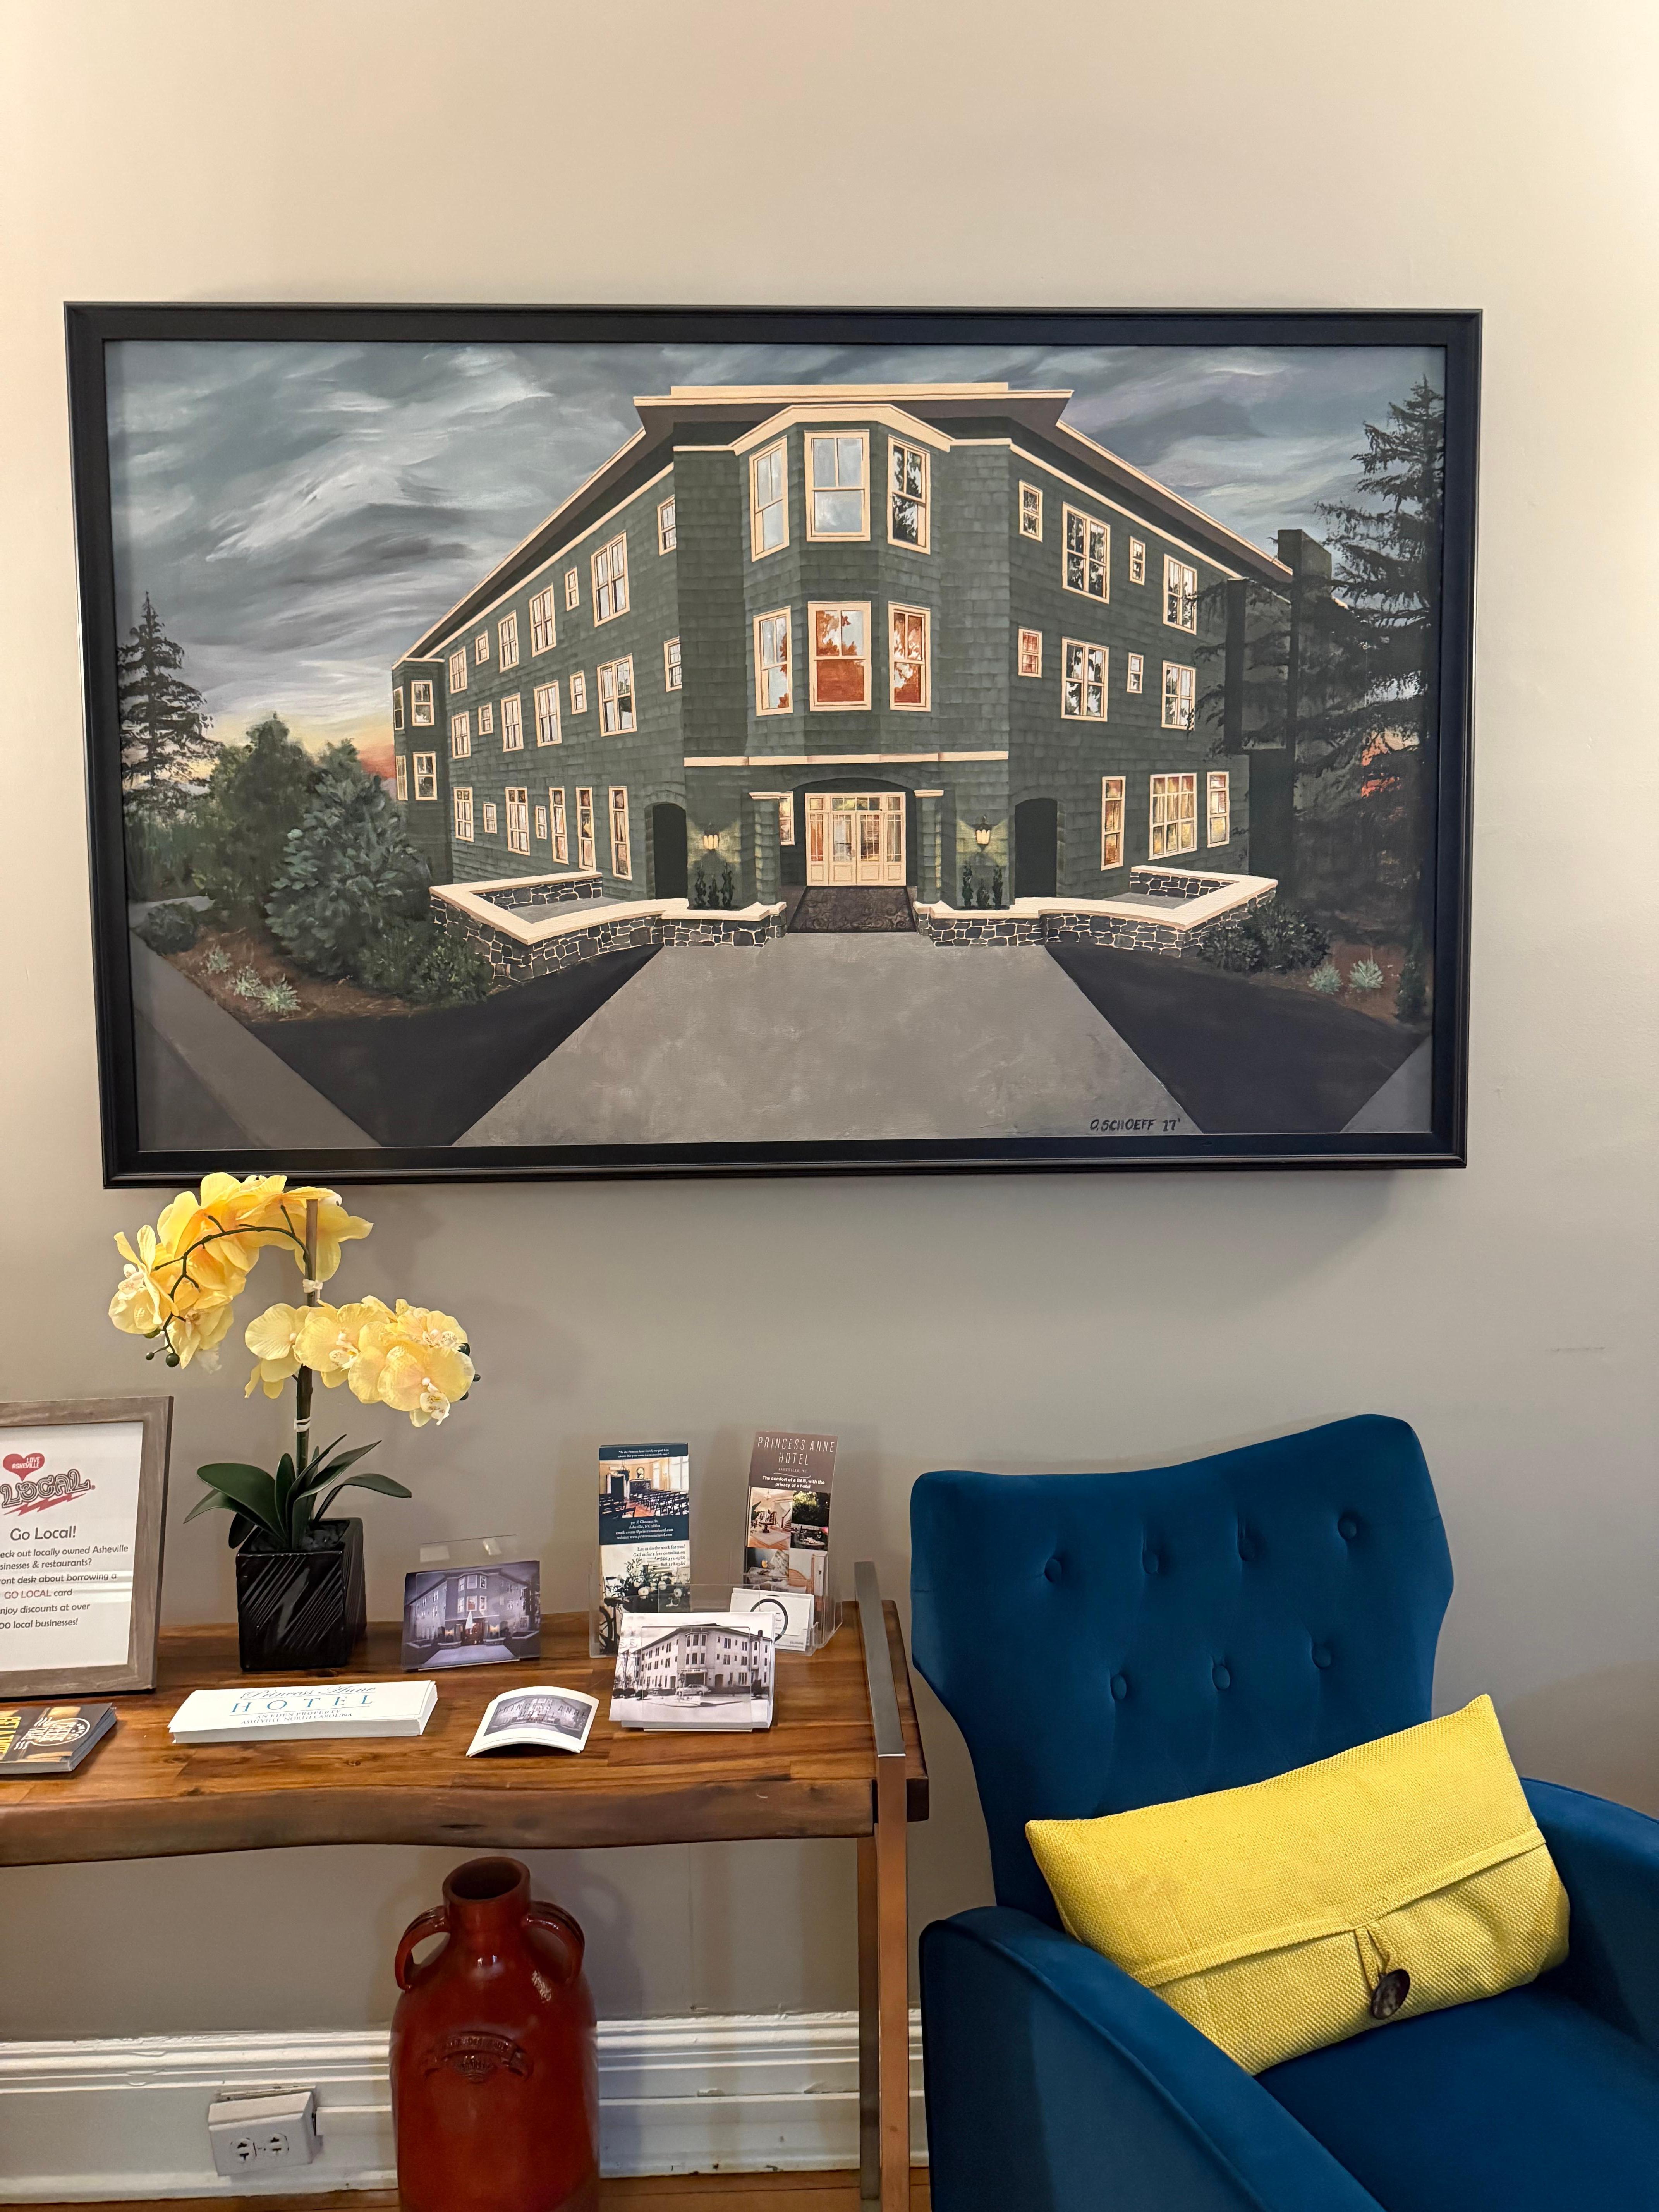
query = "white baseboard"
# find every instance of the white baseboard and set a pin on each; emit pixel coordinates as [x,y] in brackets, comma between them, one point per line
[744,2094]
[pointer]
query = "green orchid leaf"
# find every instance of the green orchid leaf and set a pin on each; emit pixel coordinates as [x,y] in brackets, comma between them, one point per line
[249,1487]
[300,1519]
[382,1483]
[212,1503]
[333,1462]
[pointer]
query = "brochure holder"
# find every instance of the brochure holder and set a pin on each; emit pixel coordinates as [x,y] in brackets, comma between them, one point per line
[707,1597]
[473,1552]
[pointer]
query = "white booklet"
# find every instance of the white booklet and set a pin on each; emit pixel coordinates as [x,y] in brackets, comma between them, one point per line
[541,1720]
[309,1709]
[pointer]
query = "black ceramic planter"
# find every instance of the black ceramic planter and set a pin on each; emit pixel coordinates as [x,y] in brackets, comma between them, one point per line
[297,1611]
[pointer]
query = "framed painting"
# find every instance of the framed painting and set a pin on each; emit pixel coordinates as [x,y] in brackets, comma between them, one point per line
[602,742]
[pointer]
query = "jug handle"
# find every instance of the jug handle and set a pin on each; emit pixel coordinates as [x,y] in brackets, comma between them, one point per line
[435,1922]
[539,1913]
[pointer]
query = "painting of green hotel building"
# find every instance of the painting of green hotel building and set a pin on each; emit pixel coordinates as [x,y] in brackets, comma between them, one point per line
[917,635]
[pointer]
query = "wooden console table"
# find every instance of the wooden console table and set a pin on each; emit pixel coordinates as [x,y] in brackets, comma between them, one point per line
[843,1757]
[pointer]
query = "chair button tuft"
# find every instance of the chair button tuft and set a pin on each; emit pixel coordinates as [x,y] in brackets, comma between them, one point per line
[1151,1562]
[1224,1680]
[1053,1571]
[1322,1655]
[1347,1528]
[1120,1688]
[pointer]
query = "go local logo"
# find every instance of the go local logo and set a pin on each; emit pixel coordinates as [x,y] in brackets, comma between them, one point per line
[32,1491]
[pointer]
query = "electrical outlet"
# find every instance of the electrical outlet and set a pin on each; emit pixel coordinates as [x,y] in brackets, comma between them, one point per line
[262,2134]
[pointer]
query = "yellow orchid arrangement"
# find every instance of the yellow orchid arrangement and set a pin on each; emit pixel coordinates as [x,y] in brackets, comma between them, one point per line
[179,1285]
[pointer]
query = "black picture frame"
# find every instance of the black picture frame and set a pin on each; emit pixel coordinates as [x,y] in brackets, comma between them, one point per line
[91,327]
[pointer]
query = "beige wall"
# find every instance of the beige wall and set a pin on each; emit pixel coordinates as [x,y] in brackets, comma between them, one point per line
[1387,152]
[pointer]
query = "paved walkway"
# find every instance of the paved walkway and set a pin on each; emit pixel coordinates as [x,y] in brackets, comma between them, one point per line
[824,1038]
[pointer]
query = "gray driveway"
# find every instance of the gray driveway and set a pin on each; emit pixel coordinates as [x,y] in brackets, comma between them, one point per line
[824,1038]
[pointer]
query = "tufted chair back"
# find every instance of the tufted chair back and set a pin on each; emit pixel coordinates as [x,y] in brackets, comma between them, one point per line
[1104,1641]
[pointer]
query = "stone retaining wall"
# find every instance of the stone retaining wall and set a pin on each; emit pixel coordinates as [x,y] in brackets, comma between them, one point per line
[543,891]
[1126,933]
[512,962]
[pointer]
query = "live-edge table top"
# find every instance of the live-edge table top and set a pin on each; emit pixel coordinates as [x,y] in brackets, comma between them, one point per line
[140,1795]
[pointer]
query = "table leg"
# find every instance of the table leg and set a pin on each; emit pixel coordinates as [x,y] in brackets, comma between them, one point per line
[884,2000]
[869,2029]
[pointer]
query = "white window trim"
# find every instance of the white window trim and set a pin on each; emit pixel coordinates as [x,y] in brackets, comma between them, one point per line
[814,607]
[663,506]
[623,661]
[403,781]
[756,551]
[543,826]
[1036,536]
[1137,557]
[625,867]
[1179,668]
[586,845]
[486,717]
[1022,634]
[907,446]
[396,706]
[1090,522]
[513,724]
[558,825]
[573,588]
[926,704]
[420,696]
[426,768]
[1086,645]
[594,560]
[548,691]
[673,671]
[460,736]
[1134,672]
[461,809]
[1213,776]
[1184,568]
[860,536]
[548,624]
[458,668]
[481,648]
[772,614]
[516,798]
[1173,778]
[507,633]
[491,819]
[1108,785]
[787,818]
[578,691]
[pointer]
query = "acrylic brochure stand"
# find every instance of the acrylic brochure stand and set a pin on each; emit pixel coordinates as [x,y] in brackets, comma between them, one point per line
[709,1597]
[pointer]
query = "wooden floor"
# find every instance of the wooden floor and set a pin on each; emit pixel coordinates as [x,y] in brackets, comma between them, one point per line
[694,2192]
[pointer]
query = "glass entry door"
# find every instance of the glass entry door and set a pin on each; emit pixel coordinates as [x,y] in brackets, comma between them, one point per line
[856,837]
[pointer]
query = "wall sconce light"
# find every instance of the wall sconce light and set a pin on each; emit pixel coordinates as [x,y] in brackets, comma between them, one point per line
[711,841]
[981,833]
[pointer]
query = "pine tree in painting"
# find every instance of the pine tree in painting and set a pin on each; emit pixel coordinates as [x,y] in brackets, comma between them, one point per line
[164,726]
[350,871]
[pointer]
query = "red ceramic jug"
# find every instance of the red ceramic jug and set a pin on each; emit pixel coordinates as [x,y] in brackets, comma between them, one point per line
[494,2079]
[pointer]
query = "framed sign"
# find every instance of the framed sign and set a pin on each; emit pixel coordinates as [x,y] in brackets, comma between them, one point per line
[82,1506]
[636,742]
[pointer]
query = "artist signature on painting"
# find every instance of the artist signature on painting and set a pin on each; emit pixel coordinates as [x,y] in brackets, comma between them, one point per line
[1134,1125]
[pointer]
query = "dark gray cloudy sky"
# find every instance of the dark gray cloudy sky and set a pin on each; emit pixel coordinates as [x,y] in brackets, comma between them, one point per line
[300,512]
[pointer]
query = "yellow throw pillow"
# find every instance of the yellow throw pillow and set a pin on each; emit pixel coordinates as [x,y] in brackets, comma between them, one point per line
[1397,1878]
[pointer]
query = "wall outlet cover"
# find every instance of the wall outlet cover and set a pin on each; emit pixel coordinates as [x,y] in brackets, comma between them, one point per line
[262,2134]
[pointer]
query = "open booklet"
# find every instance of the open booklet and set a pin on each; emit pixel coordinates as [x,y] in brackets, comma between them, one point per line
[536,1720]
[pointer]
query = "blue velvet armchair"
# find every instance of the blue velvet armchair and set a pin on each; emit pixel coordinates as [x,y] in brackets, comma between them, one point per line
[1105,1641]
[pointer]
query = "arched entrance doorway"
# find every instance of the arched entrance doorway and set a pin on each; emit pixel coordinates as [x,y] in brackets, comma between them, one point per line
[856,837]
[668,866]
[1036,848]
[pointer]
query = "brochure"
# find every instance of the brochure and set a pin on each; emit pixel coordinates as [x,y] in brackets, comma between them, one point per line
[704,1670]
[536,1720]
[36,1739]
[786,1614]
[645,1532]
[312,1710]
[487,1616]
[786,1543]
